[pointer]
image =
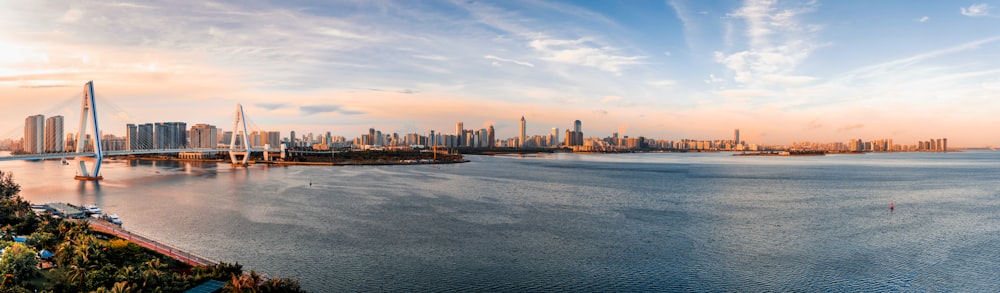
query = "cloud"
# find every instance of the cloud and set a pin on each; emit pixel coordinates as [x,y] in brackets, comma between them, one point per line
[310,110]
[271,106]
[924,19]
[665,83]
[777,42]
[976,10]
[522,63]
[851,127]
[585,52]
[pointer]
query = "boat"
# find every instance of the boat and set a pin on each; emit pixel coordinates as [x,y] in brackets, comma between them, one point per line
[112,218]
[92,209]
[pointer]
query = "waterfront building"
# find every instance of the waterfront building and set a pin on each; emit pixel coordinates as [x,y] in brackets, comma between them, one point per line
[34,133]
[204,136]
[736,137]
[54,134]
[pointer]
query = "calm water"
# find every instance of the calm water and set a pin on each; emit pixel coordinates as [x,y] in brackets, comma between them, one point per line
[636,222]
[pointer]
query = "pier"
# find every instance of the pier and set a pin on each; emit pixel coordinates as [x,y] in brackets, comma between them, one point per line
[144,241]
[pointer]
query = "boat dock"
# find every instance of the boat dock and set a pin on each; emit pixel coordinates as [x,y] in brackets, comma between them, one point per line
[168,250]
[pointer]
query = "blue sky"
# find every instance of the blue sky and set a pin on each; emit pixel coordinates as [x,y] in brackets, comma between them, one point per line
[778,70]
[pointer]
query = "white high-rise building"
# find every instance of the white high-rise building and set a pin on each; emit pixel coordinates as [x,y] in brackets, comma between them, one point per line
[34,134]
[54,134]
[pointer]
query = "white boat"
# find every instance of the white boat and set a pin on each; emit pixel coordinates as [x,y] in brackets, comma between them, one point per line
[113,218]
[92,209]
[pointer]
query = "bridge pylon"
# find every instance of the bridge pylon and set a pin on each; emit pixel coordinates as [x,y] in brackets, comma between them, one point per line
[235,151]
[86,110]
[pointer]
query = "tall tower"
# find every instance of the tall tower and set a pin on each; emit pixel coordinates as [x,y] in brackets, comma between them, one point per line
[577,126]
[554,140]
[521,139]
[459,134]
[736,137]
[492,137]
[54,134]
[34,127]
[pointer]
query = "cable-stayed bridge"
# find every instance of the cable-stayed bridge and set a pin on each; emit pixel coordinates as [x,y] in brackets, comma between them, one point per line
[239,153]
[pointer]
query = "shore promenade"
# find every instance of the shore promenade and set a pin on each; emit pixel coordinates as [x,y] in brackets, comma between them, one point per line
[174,252]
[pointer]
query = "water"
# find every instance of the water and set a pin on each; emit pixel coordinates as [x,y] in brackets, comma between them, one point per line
[568,222]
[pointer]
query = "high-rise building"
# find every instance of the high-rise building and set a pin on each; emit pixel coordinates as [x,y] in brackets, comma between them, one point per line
[54,134]
[131,137]
[554,140]
[34,134]
[577,126]
[460,133]
[736,136]
[521,139]
[492,137]
[204,136]
[291,138]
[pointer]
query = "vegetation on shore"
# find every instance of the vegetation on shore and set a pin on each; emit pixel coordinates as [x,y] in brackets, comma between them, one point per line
[85,260]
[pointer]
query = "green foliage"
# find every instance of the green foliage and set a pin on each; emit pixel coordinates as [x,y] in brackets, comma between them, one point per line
[8,188]
[42,240]
[19,261]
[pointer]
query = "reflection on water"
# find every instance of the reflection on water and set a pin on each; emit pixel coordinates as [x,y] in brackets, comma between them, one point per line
[569,222]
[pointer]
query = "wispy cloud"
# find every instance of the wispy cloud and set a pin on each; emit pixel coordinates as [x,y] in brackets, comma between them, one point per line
[495,58]
[585,52]
[976,10]
[319,109]
[271,106]
[924,19]
[777,42]
[850,127]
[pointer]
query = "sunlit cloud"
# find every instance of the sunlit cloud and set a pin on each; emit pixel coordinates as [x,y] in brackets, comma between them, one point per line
[976,10]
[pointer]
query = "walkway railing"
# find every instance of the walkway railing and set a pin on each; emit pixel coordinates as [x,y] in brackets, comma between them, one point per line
[150,243]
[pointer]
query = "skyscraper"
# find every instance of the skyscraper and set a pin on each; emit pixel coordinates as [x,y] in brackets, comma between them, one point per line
[460,134]
[492,137]
[577,126]
[54,134]
[34,133]
[521,139]
[736,137]
[554,140]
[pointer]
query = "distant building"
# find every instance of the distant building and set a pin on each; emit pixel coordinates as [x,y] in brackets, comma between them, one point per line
[204,136]
[523,138]
[34,134]
[54,134]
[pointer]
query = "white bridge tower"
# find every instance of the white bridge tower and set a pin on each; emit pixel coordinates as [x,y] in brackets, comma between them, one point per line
[233,150]
[89,109]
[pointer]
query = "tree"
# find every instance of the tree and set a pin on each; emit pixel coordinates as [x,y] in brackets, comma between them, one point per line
[8,188]
[19,261]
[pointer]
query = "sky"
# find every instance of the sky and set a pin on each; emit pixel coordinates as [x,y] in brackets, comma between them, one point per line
[781,71]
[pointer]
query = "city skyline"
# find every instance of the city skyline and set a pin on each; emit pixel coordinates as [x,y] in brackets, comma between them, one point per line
[781,71]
